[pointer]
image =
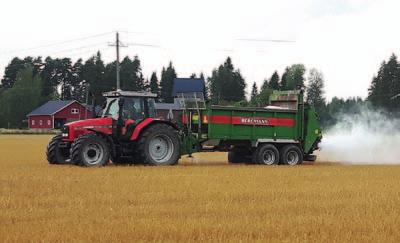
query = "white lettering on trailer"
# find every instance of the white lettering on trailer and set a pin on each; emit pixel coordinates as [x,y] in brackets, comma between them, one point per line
[254,121]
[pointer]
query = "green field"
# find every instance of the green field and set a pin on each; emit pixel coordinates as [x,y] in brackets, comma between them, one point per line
[204,199]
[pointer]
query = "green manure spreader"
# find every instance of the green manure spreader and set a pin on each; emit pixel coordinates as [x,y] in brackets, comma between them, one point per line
[285,132]
[130,131]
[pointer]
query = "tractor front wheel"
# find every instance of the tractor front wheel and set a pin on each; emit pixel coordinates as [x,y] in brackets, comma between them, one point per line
[90,150]
[55,154]
[159,145]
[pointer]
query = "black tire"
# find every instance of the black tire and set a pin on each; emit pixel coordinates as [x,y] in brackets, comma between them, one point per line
[55,154]
[291,155]
[159,144]
[266,154]
[239,155]
[90,150]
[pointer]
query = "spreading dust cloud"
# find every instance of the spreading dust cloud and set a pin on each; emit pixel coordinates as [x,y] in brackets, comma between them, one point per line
[365,137]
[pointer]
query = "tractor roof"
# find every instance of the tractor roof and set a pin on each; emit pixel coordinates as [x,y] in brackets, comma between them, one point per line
[122,93]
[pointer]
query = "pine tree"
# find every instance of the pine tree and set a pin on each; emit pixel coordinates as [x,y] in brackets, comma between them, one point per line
[128,74]
[140,85]
[295,77]
[205,86]
[78,85]
[315,90]
[57,73]
[283,83]
[386,85]
[93,73]
[141,82]
[274,81]
[166,84]
[10,72]
[254,94]
[154,88]
[49,85]
[226,84]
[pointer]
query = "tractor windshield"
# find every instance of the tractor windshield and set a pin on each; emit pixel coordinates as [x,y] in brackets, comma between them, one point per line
[133,108]
[111,109]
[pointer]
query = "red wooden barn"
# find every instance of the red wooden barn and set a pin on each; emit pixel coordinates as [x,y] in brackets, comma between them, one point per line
[55,113]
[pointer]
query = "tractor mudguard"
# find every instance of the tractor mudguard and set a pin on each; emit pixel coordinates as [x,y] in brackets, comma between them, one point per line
[145,123]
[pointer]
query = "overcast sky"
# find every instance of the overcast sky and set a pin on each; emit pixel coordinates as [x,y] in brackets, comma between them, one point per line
[345,39]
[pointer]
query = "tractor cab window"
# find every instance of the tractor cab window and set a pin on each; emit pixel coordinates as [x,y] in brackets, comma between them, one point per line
[152,107]
[133,108]
[111,109]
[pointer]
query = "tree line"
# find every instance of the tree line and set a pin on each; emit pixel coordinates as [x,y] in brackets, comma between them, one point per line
[31,81]
[38,80]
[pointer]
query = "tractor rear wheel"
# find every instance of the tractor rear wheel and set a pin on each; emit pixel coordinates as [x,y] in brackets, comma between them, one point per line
[159,145]
[266,154]
[90,150]
[239,155]
[55,154]
[291,155]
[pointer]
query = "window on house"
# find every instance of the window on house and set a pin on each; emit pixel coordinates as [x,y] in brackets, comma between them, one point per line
[48,122]
[40,122]
[33,122]
[74,111]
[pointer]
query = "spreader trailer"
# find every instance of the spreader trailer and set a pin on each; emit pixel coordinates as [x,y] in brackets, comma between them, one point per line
[129,131]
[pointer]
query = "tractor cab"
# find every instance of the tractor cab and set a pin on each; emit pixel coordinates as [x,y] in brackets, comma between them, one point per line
[129,105]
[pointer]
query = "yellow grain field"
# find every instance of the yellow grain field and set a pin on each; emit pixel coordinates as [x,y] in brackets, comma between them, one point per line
[201,200]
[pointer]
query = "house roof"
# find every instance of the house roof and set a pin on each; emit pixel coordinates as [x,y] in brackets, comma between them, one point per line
[51,107]
[188,85]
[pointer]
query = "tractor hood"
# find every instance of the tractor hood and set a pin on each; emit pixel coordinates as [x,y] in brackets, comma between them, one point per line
[75,129]
[104,121]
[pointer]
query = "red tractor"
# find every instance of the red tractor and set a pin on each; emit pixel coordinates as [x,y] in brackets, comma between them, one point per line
[127,131]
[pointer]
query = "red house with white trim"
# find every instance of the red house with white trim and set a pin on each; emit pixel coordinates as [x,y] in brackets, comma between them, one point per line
[55,113]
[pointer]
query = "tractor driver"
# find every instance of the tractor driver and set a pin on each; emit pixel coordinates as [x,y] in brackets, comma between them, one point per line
[130,111]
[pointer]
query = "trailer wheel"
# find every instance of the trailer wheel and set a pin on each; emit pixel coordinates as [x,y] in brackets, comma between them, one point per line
[291,155]
[266,154]
[239,155]
[55,154]
[90,150]
[159,145]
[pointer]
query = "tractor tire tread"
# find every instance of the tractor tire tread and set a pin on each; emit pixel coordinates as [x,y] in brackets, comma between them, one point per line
[141,144]
[52,150]
[76,147]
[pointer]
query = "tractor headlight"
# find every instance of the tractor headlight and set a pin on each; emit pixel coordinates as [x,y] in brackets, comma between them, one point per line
[64,131]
